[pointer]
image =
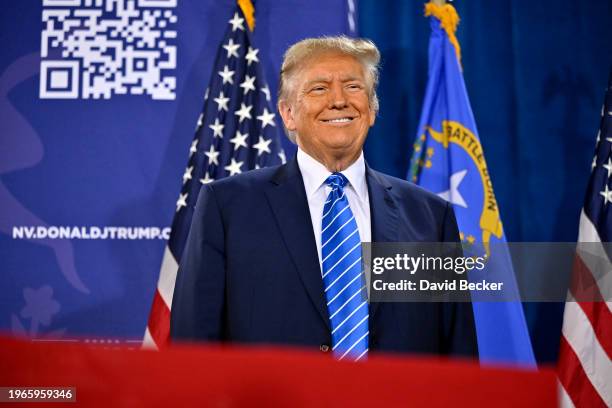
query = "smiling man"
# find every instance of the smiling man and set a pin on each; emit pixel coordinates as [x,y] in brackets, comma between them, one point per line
[274,255]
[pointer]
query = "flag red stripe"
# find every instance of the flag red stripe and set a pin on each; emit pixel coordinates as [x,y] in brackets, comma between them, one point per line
[159,321]
[598,313]
[574,379]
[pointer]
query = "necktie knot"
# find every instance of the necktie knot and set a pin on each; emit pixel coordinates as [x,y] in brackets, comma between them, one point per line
[336,180]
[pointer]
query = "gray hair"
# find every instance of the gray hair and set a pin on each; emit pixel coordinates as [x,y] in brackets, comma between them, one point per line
[362,50]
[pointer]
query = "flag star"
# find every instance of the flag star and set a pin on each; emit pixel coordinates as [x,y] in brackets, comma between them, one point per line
[262,146]
[244,112]
[227,75]
[607,194]
[234,167]
[187,175]
[248,84]
[222,101]
[236,23]
[266,118]
[194,147]
[199,122]
[607,166]
[207,179]
[206,94]
[453,195]
[594,163]
[217,128]
[282,156]
[598,137]
[266,91]
[239,140]
[213,156]
[182,201]
[257,167]
[231,48]
[252,56]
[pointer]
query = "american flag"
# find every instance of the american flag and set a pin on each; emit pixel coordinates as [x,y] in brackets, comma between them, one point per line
[585,354]
[235,132]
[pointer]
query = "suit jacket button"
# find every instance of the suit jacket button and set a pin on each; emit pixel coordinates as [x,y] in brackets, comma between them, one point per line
[324,348]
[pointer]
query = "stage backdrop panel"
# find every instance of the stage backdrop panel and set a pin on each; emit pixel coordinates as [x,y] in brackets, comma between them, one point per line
[98,104]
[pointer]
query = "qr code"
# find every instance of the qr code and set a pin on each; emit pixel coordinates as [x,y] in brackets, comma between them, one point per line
[100,48]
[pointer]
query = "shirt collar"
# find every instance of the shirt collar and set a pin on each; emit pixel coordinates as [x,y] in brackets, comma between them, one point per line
[315,174]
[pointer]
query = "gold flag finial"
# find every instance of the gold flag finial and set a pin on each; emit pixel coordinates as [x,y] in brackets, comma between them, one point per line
[249,12]
[449,20]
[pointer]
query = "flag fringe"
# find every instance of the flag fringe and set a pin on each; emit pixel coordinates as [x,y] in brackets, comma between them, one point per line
[249,12]
[449,20]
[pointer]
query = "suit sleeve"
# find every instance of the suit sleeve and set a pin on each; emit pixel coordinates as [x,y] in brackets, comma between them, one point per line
[458,317]
[199,294]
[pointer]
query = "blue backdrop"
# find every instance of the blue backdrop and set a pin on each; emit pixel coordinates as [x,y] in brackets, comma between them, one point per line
[535,72]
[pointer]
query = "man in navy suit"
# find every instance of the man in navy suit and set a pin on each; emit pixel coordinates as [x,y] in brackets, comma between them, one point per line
[254,268]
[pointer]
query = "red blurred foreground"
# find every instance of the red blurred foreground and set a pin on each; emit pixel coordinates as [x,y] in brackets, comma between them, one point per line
[240,376]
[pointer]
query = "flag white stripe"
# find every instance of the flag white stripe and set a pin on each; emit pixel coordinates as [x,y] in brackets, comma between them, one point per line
[148,342]
[564,399]
[579,333]
[167,277]
[595,251]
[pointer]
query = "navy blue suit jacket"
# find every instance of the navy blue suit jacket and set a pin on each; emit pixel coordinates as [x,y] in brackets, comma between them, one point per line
[250,271]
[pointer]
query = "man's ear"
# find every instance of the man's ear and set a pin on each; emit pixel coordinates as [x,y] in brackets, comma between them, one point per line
[286,113]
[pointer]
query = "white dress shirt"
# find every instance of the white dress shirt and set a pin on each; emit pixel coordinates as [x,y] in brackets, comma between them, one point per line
[314,175]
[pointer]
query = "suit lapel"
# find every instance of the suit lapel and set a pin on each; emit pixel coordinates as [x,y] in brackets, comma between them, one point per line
[383,214]
[287,199]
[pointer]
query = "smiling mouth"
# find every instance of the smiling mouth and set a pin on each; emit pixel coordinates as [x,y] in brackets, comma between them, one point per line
[338,120]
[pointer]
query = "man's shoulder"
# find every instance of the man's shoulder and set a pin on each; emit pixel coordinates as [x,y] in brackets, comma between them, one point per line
[251,180]
[409,190]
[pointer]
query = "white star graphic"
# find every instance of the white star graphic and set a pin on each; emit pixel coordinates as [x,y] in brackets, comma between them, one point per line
[266,118]
[182,201]
[234,167]
[607,194]
[206,94]
[244,112]
[207,179]
[608,166]
[248,84]
[221,102]
[594,163]
[266,91]
[213,156]
[231,48]
[282,156]
[598,137]
[252,56]
[199,122]
[453,195]
[239,140]
[187,174]
[227,75]
[262,146]
[217,128]
[194,147]
[236,23]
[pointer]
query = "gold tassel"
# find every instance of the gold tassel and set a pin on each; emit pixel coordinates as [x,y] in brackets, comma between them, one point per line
[249,12]
[449,20]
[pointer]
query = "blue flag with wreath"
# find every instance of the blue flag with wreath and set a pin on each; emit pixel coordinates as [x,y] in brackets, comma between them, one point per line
[448,160]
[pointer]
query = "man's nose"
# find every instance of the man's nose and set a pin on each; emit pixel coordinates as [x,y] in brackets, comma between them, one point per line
[337,97]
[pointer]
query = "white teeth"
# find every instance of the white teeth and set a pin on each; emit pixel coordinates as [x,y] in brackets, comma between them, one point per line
[341,120]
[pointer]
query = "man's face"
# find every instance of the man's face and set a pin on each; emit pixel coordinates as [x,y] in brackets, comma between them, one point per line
[329,107]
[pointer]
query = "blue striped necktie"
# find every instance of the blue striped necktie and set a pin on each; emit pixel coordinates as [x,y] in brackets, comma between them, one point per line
[343,277]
